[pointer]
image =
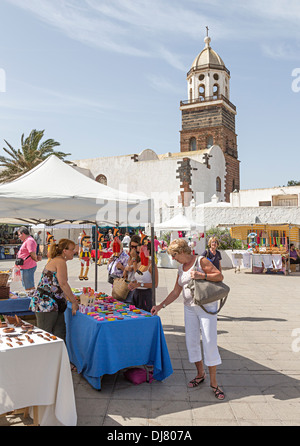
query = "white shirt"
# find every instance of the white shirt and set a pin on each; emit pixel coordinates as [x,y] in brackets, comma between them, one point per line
[184,278]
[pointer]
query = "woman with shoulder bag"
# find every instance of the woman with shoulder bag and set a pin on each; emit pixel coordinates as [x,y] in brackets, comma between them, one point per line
[195,317]
[142,285]
[50,298]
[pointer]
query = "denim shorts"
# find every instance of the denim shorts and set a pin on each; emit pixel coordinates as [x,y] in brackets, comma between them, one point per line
[28,277]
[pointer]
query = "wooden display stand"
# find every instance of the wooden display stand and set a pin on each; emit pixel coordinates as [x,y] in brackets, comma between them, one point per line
[25,412]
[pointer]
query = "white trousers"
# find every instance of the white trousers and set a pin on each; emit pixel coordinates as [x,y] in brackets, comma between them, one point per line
[198,321]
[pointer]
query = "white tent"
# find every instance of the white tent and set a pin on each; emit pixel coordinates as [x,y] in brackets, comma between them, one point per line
[178,223]
[55,192]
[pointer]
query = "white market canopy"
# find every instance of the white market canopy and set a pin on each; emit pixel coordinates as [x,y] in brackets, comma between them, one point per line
[54,192]
[178,223]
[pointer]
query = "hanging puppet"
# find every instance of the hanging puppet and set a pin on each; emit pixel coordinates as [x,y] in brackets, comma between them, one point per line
[85,256]
[144,253]
[100,241]
[116,244]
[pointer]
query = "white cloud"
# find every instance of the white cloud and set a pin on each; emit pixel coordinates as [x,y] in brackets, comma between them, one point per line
[156,29]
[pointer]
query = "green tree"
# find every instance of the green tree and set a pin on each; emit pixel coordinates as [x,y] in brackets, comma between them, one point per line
[33,151]
[293,183]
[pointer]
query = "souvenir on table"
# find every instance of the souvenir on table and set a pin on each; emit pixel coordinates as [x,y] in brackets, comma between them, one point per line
[87,300]
[116,246]
[84,257]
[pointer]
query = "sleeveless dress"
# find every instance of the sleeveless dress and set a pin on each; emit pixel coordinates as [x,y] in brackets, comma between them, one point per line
[41,300]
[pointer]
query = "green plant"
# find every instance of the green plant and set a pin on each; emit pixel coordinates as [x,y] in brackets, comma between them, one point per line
[224,237]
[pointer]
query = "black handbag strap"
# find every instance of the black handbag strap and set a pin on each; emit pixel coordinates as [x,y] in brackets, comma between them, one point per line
[221,304]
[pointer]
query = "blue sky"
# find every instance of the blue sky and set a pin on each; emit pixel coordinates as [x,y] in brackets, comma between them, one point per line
[105,77]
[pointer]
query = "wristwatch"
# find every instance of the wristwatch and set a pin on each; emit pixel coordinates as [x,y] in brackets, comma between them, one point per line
[142,284]
[205,278]
[163,305]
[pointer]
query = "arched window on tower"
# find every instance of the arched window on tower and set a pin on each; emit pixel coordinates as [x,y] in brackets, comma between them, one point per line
[215,91]
[201,92]
[209,141]
[193,144]
[101,179]
[218,184]
[191,94]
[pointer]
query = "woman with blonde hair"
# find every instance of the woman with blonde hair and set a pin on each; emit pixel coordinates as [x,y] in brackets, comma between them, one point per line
[196,319]
[212,252]
[50,298]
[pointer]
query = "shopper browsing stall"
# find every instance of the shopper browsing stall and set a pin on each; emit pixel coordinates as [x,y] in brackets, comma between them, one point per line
[27,258]
[142,286]
[195,317]
[50,298]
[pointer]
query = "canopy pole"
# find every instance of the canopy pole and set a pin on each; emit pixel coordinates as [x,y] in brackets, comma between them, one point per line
[96,256]
[153,265]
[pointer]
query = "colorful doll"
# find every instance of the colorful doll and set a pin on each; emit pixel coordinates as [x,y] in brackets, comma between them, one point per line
[85,256]
[100,241]
[116,245]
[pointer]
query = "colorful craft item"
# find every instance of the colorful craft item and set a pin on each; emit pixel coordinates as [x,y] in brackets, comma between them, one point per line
[85,256]
[116,246]
[87,297]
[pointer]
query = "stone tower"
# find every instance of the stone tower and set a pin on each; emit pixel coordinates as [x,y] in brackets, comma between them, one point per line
[208,116]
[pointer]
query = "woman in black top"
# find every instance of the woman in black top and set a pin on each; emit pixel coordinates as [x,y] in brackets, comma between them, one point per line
[212,253]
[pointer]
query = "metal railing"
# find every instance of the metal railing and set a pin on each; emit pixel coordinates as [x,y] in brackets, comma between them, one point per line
[208,99]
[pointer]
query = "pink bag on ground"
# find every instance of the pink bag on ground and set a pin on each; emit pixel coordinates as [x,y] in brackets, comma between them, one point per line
[137,375]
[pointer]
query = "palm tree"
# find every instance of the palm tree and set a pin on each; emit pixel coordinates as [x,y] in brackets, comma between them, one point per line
[32,153]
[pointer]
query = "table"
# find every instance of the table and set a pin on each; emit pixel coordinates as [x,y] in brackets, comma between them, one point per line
[37,375]
[99,348]
[19,306]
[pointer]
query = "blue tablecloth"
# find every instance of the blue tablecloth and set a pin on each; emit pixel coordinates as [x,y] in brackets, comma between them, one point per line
[19,306]
[99,348]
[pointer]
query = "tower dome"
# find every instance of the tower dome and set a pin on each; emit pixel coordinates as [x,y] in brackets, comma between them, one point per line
[207,57]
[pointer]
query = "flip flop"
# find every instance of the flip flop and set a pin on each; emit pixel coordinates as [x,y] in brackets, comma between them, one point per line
[196,381]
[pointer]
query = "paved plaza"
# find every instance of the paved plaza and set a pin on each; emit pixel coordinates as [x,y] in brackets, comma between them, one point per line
[258,337]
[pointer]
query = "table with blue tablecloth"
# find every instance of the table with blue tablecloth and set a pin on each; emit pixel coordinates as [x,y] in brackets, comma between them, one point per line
[12,306]
[105,347]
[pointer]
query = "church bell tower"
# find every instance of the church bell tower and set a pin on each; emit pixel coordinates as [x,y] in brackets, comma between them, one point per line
[208,116]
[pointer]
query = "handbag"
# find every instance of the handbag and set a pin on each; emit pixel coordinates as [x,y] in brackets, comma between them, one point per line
[61,302]
[120,289]
[205,292]
[20,262]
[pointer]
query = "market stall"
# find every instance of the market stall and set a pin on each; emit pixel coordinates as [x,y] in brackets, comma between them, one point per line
[53,193]
[100,344]
[65,195]
[269,245]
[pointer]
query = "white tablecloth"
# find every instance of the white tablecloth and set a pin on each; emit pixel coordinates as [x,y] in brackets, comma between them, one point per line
[37,375]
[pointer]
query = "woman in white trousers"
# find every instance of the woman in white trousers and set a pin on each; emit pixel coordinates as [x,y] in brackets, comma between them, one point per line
[196,319]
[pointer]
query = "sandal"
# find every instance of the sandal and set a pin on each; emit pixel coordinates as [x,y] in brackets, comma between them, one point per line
[219,394]
[196,381]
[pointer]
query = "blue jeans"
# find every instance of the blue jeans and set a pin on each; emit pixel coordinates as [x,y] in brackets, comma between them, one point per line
[27,276]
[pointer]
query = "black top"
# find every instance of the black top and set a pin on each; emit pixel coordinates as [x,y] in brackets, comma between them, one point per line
[215,259]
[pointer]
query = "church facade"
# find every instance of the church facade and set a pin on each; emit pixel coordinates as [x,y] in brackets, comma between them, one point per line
[207,163]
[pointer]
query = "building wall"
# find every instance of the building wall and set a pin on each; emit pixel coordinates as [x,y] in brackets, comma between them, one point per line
[252,197]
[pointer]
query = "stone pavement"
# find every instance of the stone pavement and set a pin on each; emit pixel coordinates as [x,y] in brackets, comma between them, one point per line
[259,341]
